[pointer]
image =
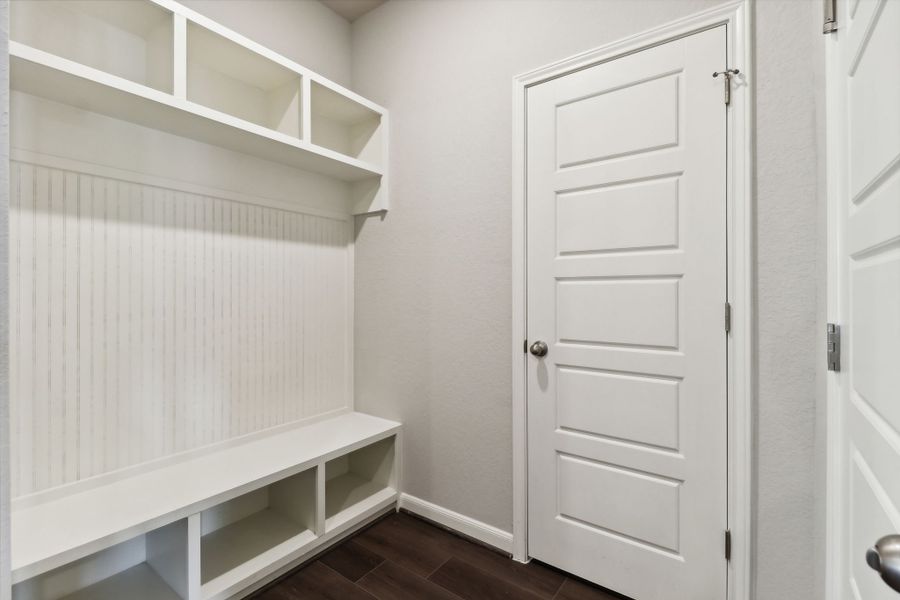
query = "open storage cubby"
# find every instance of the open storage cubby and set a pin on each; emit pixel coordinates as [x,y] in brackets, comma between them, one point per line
[152,566]
[132,39]
[357,479]
[232,79]
[161,65]
[341,124]
[257,528]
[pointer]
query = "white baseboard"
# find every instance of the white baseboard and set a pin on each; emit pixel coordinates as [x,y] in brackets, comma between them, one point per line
[490,535]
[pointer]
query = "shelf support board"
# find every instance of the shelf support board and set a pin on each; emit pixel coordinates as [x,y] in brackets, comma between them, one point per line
[306,110]
[179,70]
[320,499]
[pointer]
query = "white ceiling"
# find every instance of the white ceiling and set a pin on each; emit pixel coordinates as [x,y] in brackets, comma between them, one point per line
[352,9]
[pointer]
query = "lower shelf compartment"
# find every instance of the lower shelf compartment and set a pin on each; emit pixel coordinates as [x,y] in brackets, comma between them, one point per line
[226,550]
[358,482]
[350,495]
[151,566]
[243,537]
[137,583]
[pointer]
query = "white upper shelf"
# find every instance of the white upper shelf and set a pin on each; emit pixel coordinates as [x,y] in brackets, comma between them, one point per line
[159,64]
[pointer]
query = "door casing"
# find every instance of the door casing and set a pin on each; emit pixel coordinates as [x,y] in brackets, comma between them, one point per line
[741,272]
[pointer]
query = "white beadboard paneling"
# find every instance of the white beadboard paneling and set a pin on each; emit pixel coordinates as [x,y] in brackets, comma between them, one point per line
[148,321]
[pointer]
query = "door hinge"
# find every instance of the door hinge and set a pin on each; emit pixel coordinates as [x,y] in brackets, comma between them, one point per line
[727,544]
[833,346]
[830,21]
[727,74]
[728,317]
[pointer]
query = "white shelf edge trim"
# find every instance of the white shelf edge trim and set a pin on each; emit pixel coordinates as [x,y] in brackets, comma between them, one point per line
[99,170]
[84,485]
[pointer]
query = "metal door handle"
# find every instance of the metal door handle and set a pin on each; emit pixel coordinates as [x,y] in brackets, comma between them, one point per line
[539,349]
[884,557]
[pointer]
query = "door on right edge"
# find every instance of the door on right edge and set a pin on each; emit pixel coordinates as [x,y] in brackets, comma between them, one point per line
[864,273]
[626,282]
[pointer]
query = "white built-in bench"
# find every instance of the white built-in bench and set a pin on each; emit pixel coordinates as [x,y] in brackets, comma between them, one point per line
[210,525]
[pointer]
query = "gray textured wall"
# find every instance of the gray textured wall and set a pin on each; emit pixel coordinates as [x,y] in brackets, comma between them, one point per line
[433,278]
[790,295]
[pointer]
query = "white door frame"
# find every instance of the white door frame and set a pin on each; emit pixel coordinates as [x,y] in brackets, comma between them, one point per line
[834,314]
[741,272]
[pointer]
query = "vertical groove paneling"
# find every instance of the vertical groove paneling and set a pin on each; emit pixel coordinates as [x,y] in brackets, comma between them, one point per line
[147,321]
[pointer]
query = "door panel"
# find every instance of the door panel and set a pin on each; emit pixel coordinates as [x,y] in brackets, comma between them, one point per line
[640,312]
[636,505]
[642,410]
[876,318]
[874,142]
[864,115]
[626,131]
[627,414]
[641,216]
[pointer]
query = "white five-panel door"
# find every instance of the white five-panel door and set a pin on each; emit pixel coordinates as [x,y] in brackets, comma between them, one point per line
[626,284]
[864,132]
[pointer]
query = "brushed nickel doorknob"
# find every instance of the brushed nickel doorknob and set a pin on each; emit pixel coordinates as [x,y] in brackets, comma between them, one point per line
[884,557]
[539,349]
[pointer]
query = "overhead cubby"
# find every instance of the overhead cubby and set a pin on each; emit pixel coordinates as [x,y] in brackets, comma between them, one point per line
[233,79]
[357,480]
[161,65]
[132,39]
[153,566]
[255,529]
[345,125]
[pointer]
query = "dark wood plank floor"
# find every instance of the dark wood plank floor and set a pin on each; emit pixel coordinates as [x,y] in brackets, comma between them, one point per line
[404,558]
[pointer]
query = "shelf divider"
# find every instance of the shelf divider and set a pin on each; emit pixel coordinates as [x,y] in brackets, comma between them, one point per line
[179,69]
[306,110]
[320,499]
[168,551]
[195,536]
